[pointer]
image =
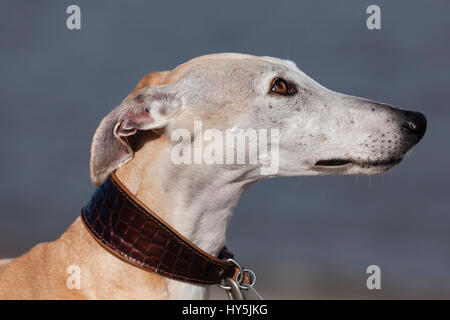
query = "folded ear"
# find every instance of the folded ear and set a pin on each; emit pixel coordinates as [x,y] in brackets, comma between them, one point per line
[150,108]
[150,80]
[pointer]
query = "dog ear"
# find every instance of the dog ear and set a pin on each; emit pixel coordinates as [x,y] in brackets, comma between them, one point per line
[150,80]
[149,108]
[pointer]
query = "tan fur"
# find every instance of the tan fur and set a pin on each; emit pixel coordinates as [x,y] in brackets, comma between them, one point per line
[150,80]
[4,263]
[41,273]
[139,175]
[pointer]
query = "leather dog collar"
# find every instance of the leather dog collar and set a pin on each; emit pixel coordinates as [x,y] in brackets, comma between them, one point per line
[128,229]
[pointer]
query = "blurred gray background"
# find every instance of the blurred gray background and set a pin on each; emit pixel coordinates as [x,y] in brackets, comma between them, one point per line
[304,237]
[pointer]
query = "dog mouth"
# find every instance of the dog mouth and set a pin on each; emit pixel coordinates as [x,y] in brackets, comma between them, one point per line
[365,164]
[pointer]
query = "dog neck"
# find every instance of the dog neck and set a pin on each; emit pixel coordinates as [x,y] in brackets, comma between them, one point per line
[197,201]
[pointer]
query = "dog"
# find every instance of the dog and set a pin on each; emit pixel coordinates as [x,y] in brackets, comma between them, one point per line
[320,132]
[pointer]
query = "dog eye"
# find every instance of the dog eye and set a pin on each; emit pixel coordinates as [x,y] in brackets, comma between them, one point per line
[282,87]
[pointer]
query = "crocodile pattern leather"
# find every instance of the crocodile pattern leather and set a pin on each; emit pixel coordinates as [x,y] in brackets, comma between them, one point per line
[119,222]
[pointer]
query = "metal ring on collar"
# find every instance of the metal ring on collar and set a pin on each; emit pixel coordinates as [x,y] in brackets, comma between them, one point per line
[241,271]
[251,282]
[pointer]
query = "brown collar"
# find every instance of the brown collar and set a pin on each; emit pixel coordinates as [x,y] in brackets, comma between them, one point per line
[128,229]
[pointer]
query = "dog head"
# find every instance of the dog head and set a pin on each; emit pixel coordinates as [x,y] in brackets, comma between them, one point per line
[318,131]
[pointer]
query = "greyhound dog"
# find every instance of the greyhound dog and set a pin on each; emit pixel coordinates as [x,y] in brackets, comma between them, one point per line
[319,132]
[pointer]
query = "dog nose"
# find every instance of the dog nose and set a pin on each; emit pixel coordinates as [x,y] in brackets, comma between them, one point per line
[414,123]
